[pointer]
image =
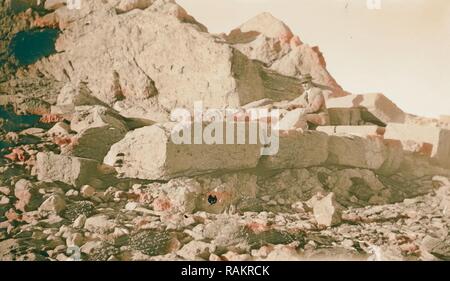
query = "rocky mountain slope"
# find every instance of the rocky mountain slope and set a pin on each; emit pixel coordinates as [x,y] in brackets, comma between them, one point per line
[88,170]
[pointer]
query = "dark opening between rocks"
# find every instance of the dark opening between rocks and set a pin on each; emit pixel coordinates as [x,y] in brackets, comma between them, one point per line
[31,45]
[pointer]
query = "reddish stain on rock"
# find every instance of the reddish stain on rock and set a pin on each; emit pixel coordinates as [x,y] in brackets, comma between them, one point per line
[162,204]
[51,118]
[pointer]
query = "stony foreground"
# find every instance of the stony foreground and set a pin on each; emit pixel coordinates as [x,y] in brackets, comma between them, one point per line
[128,225]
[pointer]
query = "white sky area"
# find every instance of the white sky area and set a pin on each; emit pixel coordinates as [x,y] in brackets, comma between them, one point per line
[401,50]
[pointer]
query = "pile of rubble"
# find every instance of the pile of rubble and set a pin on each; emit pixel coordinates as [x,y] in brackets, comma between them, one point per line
[89,171]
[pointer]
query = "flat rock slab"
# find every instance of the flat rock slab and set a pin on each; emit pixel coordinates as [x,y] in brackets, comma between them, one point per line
[376,108]
[437,137]
[150,153]
[70,170]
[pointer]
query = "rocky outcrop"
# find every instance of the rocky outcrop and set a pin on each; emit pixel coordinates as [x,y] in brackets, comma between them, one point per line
[267,39]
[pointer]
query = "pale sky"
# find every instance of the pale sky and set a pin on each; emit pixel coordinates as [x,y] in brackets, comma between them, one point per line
[401,50]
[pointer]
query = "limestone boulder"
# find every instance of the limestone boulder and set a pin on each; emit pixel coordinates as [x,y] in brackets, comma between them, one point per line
[97,129]
[416,137]
[346,116]
[298,150]
[151,153]
[353,151]
[54,204]
[28,196]
[54,4]
[128,5]
[374,108]
[71,96]
[70,170]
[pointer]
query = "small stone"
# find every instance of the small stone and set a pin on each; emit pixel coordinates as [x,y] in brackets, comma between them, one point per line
[4,200]
[60,129]
[78,223]
[99,224]
[5,190]
[214,257]
[28,196]
[72,193]
[232,256]
[195,250]
[87,191]
[130,206]
[75,239]
[347,243]
[89,247]
[54,204]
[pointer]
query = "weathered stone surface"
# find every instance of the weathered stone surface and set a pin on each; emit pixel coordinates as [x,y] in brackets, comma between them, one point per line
[196,250]
[150,153]
[99,224]
[326,210]
[128,5]
[294,119]
[409,135]
[361,131]
[71,170]
[54,4]
[71,96]
[353,151]
[55,204]
[345,116]
[28,196]
[141,81]
[298,150]
[267,39]
[98,128]
[228,190]
[375,108]
[60,129]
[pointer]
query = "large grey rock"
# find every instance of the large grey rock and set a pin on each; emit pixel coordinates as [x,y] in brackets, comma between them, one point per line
[169,60]
[354,151]
[70,170]
[298,150]
[150,153]
[98,128]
